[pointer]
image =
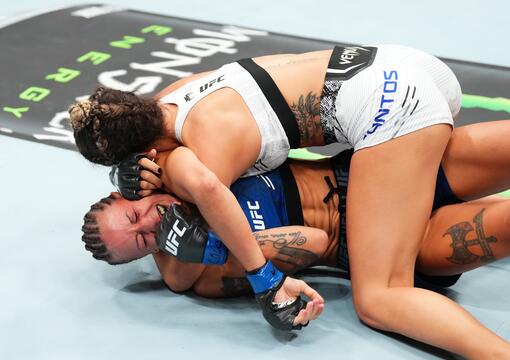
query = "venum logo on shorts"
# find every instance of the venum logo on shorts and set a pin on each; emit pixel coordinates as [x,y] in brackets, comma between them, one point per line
[256,218]
[204,87]
[172,244]
[387,97]
[347,61]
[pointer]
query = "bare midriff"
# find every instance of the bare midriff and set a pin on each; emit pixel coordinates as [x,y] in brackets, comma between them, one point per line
[313,189]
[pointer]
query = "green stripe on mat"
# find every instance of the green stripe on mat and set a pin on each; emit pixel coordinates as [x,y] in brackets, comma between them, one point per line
[305,154]
[505,194]
[484,102]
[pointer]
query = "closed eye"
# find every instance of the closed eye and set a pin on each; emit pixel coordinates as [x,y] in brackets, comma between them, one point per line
[143,243]
[133,218]
[130,218]
[144,240]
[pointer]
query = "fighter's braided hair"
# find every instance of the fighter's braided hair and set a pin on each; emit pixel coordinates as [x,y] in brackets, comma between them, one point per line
[92,235]
[112,124]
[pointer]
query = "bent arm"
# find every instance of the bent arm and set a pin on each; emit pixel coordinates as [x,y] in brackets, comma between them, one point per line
[193,181]
[177,275]
[291,248]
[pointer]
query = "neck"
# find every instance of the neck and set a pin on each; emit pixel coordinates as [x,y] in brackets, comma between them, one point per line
[168,141]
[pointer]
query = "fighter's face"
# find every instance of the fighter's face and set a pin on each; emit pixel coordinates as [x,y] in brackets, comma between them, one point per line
[128,228]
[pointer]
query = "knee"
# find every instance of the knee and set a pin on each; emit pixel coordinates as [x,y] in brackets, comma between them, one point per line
[369,306]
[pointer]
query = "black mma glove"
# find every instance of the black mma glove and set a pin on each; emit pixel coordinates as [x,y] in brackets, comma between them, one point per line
[266,281]
[183,234]
[125,176]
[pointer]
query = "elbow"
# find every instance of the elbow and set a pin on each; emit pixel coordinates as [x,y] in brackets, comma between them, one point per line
[206,186]
[174,285]
[322,243]
[203,290]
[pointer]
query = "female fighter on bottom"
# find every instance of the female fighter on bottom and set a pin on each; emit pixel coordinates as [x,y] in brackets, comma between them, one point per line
[458,238]
[394,105]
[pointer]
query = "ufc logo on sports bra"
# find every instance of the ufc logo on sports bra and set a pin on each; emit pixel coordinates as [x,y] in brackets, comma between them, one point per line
[257,219]
[204,87]
[171,244]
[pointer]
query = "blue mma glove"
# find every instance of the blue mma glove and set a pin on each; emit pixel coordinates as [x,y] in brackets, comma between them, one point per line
[266,281]
[125,176]
[183,234]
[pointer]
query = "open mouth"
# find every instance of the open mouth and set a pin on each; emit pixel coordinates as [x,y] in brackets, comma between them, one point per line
[161,210]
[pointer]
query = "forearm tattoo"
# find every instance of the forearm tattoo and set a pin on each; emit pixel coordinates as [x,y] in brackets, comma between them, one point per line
[288,252]
[235,286]
[307,116]
[460,244]
[289,249]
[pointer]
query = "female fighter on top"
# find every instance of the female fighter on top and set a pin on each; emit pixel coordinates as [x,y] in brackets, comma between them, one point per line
[393,105]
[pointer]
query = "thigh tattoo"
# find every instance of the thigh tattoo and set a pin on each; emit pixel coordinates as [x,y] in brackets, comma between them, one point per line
[460,243]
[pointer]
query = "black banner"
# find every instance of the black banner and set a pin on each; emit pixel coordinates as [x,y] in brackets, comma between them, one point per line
[50,60]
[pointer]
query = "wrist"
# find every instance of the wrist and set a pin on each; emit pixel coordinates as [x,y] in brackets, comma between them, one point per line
[215,252]
[265,278]
[257,261]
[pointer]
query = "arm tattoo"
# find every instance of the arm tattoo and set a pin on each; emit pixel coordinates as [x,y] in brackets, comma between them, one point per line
[307,116]
[289,251]
[235,286]
[460,245]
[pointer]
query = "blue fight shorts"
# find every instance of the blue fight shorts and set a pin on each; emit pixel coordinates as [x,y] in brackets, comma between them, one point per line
[443,196]
[269,200]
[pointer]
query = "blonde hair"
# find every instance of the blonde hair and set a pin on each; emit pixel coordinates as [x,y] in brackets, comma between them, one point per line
[79,114]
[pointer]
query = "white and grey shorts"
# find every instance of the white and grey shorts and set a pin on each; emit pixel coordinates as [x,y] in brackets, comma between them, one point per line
[374,94]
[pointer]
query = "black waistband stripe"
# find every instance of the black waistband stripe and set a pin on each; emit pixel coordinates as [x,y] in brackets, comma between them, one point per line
[275,99]
[292,198]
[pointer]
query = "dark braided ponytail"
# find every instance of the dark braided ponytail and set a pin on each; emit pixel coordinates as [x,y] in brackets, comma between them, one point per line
[112,124]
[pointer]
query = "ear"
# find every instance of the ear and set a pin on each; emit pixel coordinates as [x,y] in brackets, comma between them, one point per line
[115,195]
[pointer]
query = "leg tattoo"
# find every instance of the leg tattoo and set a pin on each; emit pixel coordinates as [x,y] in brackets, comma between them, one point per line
[458,232]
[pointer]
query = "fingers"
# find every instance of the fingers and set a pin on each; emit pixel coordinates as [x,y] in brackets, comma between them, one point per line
[296,287]
[311,293]
[318,310]
[150,165]
[144,185]
[144,193]
[147,187]
[313,309]
[152,154]
[149,178]
[311,312]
